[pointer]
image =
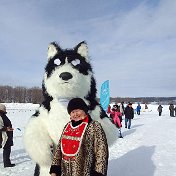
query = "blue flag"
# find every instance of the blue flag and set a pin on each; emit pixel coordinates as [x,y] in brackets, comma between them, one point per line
[105,95]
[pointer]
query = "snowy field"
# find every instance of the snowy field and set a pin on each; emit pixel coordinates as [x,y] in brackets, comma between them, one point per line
[147,149]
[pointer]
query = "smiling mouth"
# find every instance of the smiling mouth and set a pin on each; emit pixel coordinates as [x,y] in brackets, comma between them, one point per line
[65,82]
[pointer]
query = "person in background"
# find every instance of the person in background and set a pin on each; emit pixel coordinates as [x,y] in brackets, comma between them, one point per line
[82,149]
[160,109]
[171,109]
[146,107]
[129,114]
[6,127]
[122,108]
[117,118]
[109,109]
[138,109]
[175,111]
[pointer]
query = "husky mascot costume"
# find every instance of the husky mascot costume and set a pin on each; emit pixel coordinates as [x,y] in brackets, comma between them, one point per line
[68,74]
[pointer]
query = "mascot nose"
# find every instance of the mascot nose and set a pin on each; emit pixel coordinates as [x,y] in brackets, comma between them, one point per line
[65,76]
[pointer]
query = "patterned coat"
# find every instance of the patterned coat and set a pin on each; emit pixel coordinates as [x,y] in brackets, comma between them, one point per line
[91,158]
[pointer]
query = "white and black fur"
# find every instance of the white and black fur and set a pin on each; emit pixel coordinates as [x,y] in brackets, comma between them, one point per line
[68,74]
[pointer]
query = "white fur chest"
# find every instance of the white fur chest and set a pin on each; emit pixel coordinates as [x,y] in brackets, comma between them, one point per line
[56,119]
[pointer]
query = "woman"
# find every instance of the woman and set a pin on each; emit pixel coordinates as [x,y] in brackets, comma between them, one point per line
[6,140]
[82,149]
[117,118]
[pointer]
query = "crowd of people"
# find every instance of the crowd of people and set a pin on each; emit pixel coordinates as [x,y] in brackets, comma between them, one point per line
[116,113]
[172,110]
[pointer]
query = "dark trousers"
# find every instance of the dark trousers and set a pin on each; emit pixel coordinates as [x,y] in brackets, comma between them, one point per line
[160,113]
[6,156]
[138,112]
[127,123]
[171,113]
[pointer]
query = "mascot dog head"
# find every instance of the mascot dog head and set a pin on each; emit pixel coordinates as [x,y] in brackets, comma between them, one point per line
[68,74]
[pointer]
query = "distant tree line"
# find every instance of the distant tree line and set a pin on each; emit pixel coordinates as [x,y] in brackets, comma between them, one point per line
[142,100]
[19,94]
[158,100]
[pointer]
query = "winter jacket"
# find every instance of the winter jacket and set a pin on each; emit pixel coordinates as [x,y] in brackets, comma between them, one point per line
[160,108]
[129,112]
[171,107]
[91,158]
[117,118]
[138,108]
[146,107]
[6,123]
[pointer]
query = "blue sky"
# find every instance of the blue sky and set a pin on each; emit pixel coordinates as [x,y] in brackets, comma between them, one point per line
[131,42]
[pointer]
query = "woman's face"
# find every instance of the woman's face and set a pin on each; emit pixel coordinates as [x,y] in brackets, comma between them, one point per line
[77,114]
[115,107]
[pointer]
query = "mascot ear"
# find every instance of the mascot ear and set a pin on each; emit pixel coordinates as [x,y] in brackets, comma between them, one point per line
[53,49]
[82,49]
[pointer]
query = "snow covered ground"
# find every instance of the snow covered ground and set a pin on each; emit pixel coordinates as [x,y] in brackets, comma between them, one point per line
[147,149]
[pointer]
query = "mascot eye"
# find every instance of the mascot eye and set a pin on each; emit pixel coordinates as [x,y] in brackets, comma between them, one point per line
[57,61]
[75,62]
